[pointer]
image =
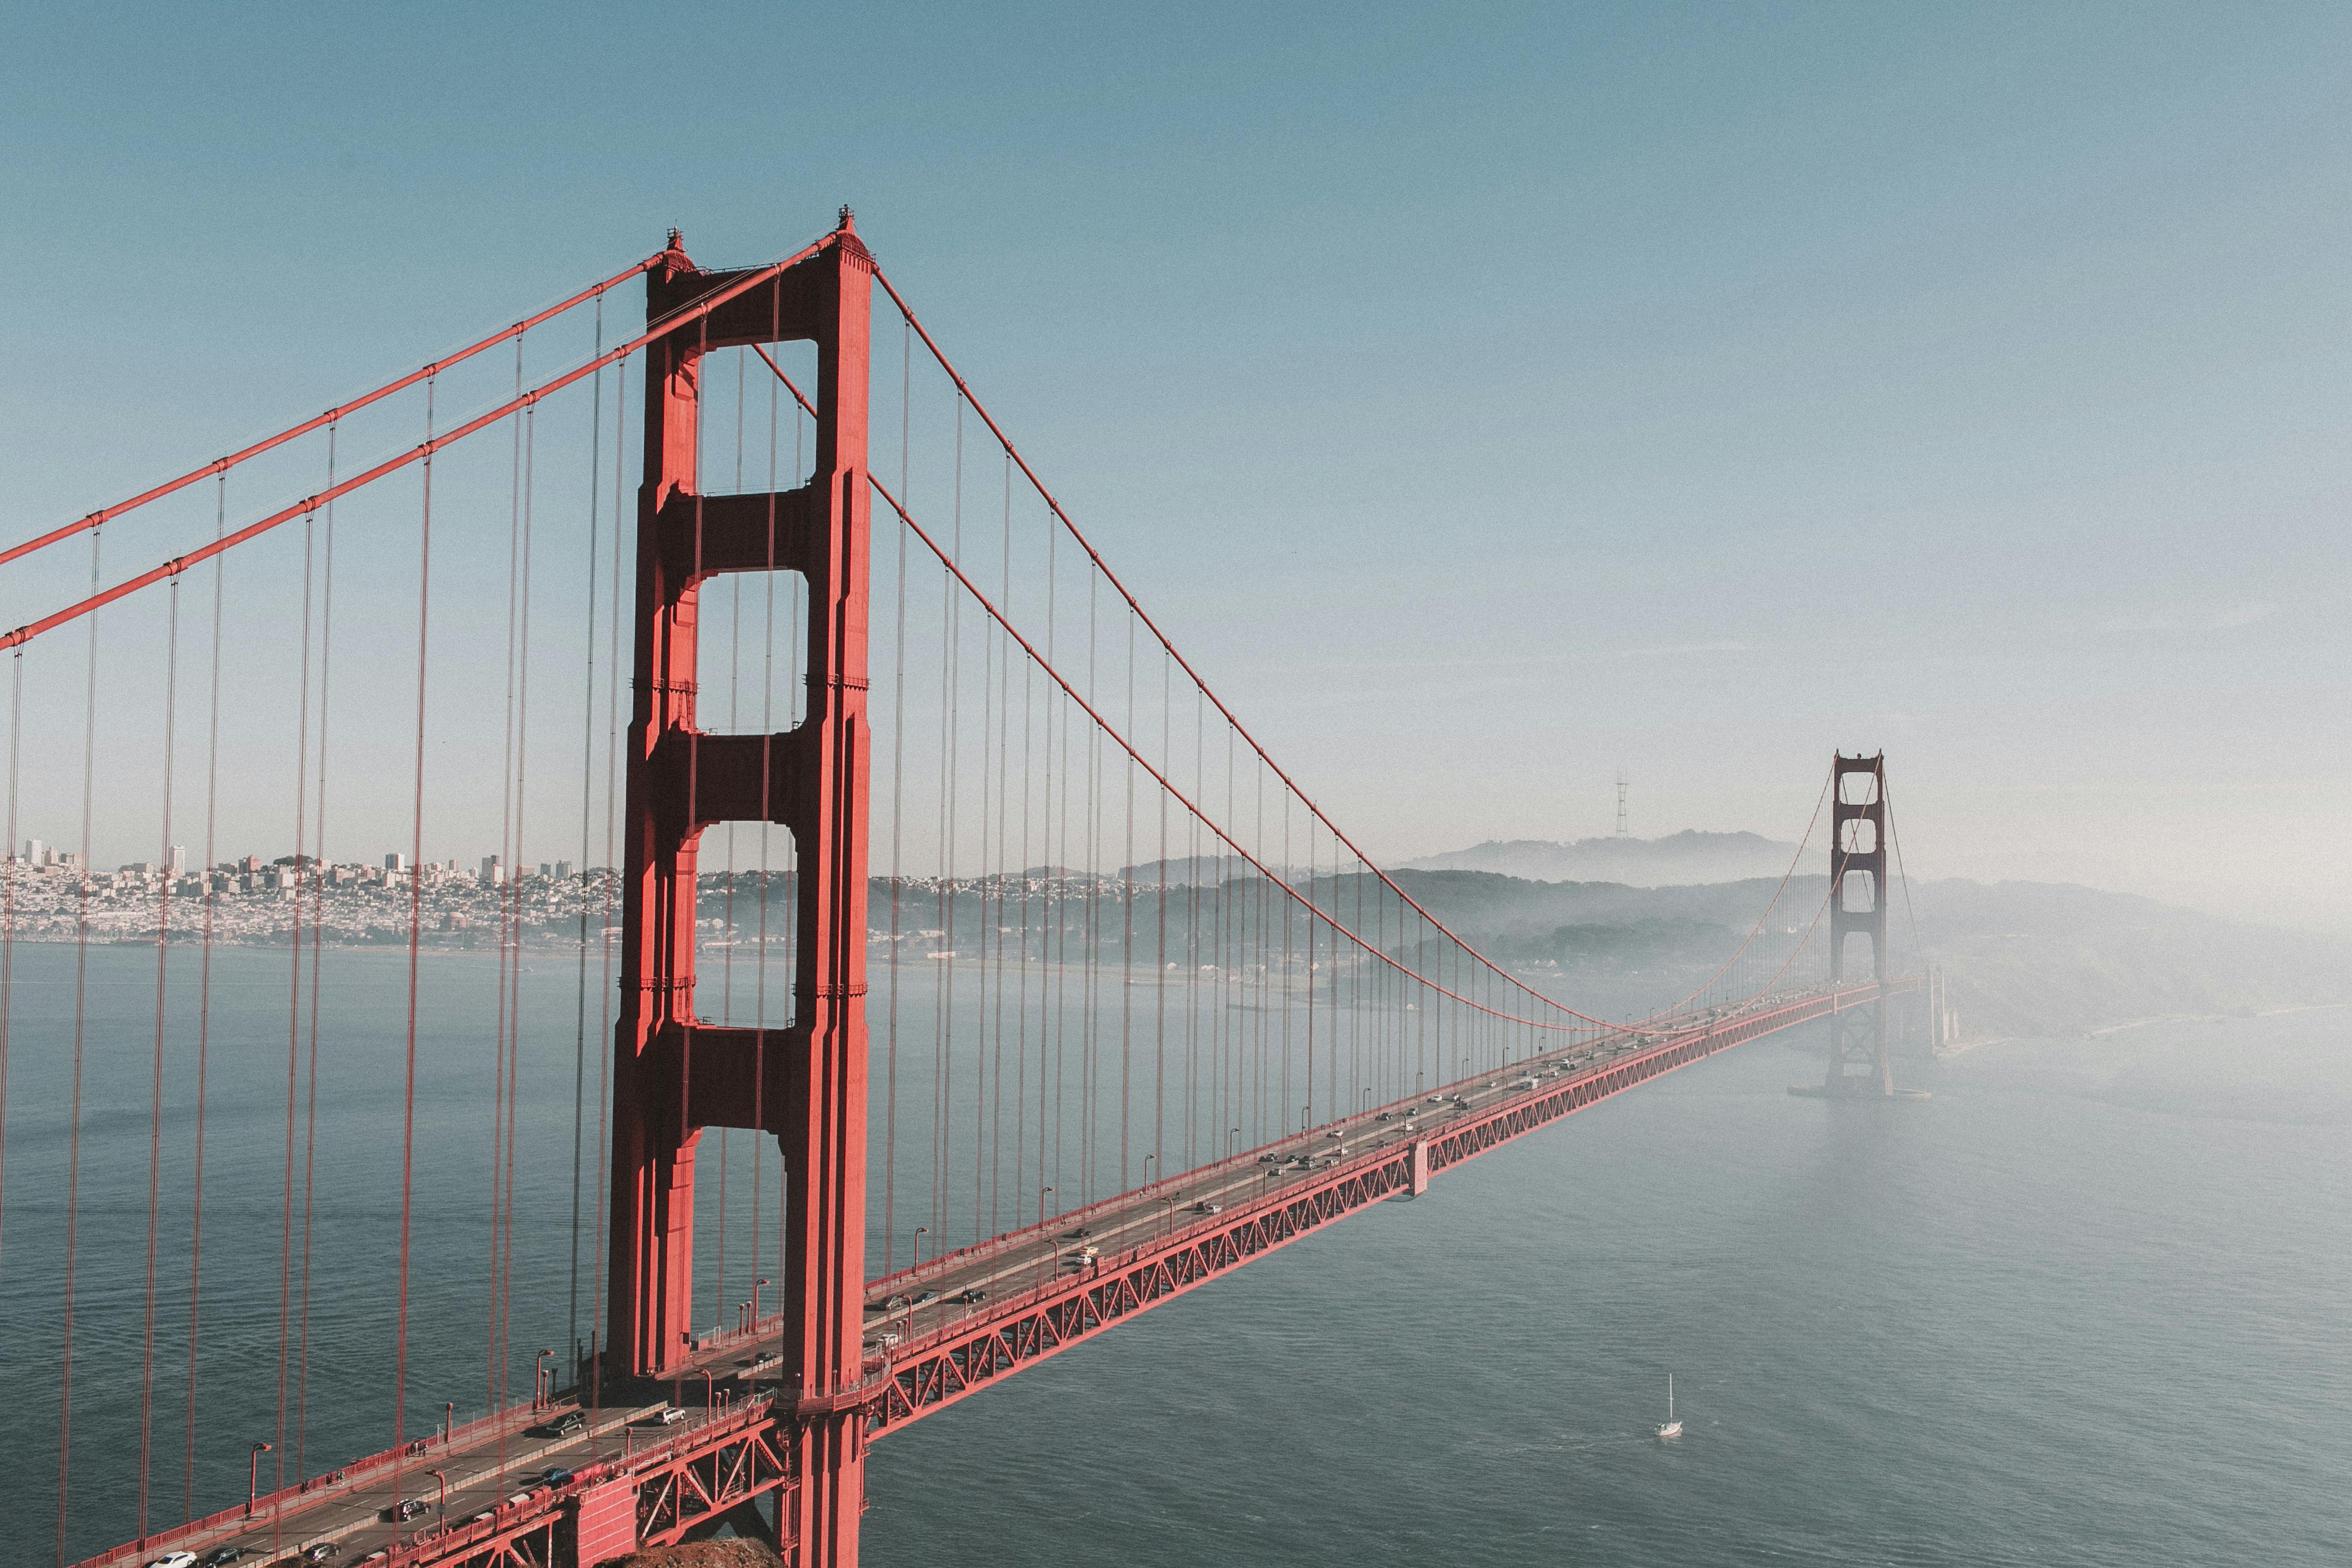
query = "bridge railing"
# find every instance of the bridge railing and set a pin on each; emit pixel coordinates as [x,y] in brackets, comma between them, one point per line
[282,1504]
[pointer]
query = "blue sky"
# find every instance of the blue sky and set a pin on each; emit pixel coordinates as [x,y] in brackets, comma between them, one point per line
[1488,399]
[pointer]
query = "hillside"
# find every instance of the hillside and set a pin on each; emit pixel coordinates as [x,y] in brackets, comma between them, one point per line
[2019,957]
[1679,859]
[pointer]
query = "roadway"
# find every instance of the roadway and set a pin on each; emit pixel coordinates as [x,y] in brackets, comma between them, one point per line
[484,1474]
[907,1311]
[904,1313]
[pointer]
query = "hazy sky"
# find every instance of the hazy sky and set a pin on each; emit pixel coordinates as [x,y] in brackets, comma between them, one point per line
[1488,399]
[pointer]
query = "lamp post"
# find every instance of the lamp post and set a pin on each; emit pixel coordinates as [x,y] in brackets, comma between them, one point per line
[541,1391]
[1232,1139]
[1043,1194]
[920,1231]
[448,1422]
[755,1301]
[709,1395]
[1364,1100]
[1146,1168]
[443,1479]
[253,1478]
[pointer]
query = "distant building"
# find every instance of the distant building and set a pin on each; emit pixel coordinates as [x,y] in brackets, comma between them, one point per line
[563,870]
[396,862]
[494,872]
[178,860]
[36,852]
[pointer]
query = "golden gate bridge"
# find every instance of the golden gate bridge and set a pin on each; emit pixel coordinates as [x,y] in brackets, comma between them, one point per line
[1081,1001]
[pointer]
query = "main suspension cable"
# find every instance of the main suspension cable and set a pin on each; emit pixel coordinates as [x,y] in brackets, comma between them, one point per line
[220,467]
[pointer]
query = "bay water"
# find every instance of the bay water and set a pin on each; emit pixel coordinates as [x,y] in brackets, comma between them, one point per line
[2091,1303]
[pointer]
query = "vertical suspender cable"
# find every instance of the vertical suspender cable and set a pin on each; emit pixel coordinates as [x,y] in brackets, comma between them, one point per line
[73,1136]
[514,993]
[1087,1079]
[980,1074]
[1059,897]
[793,705]
[155,1110]
[980,886]
[1282,1106]
[767,729]
[1126,935]
[317,911]
[726,899]
[942,1080]
[1003,818]
[1159,921]
[492,1360]
[8,900]
[726,953]
[897,843]
[205,1000]
[609,877]
[587,804]
[1021,1010]
[294,1003]
[1003,774]
[416,934]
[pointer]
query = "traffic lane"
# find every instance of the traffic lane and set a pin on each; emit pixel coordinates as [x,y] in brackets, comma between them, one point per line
[1044,1257]
[1152,1220]
[356,1519]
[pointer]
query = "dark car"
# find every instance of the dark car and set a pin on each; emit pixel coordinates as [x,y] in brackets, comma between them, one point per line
[403,1511]
[569,1424]
[228,1554]
[319,1552]
[971,1297]
[923,1296]
[1079,1234]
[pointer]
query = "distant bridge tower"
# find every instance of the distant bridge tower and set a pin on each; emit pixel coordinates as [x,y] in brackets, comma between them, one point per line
[1858,907]
[676,1074]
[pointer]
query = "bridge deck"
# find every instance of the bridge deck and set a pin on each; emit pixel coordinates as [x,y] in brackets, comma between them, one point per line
[1038,1291]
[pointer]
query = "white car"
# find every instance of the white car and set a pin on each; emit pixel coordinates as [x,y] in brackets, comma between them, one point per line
[175,1559]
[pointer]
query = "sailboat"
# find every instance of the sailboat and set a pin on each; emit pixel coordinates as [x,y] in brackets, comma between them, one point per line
[1670,1427]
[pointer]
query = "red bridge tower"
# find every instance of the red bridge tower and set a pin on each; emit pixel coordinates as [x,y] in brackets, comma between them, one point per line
[674,1074]
[1858,867]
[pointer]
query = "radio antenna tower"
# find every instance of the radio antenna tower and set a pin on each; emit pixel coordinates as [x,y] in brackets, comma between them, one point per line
[1621,804]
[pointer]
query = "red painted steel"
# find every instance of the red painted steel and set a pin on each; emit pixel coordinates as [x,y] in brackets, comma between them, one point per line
[676,1075]
[605,1522]
[936,1371]
[1858,1063]
[709,305]
[330,1486]
[805,1083]
[678,1483]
